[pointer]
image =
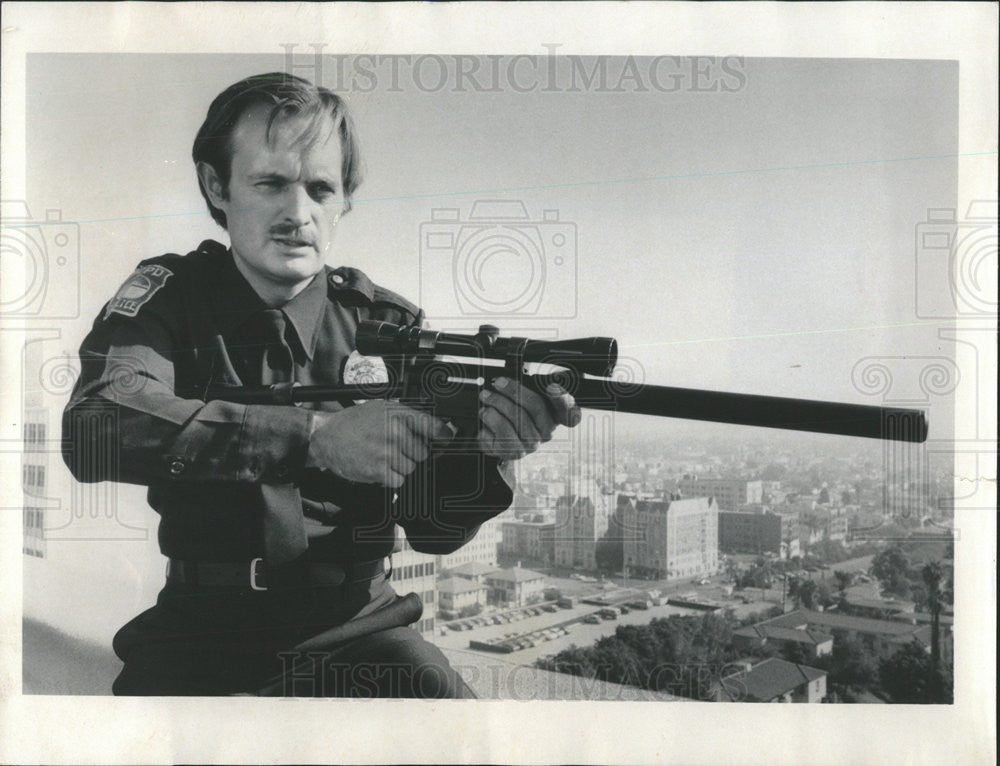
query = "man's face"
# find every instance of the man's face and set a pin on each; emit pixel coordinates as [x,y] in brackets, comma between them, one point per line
[284,199]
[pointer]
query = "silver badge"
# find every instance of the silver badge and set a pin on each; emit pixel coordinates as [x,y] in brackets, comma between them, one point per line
[365,370]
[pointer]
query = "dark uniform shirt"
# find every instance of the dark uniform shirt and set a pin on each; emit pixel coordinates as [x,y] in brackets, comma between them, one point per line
[182,323]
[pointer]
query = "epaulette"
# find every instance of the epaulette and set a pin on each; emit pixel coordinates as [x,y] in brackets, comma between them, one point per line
[355,286]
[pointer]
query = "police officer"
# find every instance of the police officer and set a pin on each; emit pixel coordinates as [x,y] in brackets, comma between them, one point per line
[277,520]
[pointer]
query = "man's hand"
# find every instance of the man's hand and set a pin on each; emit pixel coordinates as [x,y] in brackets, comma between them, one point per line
[376,442]
[515,420]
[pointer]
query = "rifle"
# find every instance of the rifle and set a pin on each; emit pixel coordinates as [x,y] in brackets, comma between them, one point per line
[424,374]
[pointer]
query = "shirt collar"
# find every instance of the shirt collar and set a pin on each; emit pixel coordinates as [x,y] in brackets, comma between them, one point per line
[304,312]
[237,301]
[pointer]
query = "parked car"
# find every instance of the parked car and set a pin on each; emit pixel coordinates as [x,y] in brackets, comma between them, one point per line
[550,608]
[639,604]
[623,609]
[592,619]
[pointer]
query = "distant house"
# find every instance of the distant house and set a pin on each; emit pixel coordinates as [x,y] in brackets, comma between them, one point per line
[514,586]
[773,680]
[457,593]
[892,631]
[473,570]
[815,642]
[864,606]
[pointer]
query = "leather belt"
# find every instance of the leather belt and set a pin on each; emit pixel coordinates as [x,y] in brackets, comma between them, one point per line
[254,575]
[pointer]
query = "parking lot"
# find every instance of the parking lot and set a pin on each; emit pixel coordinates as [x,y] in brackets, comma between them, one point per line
[577,632]
[552,629]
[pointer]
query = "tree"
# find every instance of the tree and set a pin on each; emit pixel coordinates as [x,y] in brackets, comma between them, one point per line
[822,597]
[844,580]
[773,472]
[795,652]
[852,667]
[808,594]
[933,577]
[908,677]
[891,568]
[471,610]
[733,569]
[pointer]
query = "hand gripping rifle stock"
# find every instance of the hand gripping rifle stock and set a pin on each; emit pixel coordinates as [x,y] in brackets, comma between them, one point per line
[444,373]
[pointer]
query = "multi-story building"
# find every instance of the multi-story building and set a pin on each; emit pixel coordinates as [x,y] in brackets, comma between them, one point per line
[529,541]
[671,538]
[457,593]
[729,494]
[762,532]
[515,586]
[580,522]
[34,464]
[414,572]
[483,548]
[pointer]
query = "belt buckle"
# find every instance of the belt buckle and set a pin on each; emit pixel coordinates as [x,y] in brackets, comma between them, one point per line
[253,575]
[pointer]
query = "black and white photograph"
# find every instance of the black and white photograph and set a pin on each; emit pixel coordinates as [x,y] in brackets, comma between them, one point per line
[512,384]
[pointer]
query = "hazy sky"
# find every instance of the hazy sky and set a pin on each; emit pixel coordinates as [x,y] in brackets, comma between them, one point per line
[757,238]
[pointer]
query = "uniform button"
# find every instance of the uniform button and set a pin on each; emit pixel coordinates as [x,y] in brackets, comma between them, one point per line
[177,468]
[337,279]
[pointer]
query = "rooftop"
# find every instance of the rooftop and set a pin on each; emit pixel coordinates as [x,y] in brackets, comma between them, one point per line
[456,585]
[888,604]
[473,568]
[780,633]
[515,574]
[767,680]
[834,621]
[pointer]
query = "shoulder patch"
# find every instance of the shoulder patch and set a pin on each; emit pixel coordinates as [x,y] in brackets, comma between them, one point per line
[137,290]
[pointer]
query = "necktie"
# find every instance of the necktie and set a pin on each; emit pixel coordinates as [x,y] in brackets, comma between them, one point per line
[276,362]
[284,533]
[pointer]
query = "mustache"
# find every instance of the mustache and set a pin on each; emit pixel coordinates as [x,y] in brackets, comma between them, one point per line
[293,233]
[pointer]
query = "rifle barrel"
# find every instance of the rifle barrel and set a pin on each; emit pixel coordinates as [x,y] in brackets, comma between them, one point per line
[872,422]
